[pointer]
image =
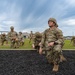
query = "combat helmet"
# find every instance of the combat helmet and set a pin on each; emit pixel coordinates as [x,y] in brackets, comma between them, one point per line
[11,27]
[38,34]
[20,32]
[53,20]
[3,34]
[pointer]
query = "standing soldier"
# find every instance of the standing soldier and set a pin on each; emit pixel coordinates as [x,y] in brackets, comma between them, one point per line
[52,41]
[37,40]
[21,38]
[13,36]
[3,39]
[31,36]
[73,40]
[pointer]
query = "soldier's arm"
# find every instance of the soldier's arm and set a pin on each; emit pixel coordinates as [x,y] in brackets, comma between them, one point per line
[9,35]
[33,44]
[16,33]
[60,38]
[34,40]
[43,39]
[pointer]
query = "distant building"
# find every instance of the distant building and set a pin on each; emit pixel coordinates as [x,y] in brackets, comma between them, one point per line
[26,35]
[67,37]
[4,32]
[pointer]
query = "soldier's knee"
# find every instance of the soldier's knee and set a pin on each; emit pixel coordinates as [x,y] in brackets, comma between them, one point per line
[58,48]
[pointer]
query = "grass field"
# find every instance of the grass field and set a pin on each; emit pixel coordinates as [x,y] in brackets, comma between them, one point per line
[28,45]
[68,45]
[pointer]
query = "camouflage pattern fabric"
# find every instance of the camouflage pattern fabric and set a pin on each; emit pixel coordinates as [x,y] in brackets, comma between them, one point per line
[37,40]
[21,39]
[3,39]
[31,37]
[52,35]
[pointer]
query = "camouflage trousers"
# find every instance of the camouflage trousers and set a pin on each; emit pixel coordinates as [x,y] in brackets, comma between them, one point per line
[53,54]
[21,43]
[2,41]
[14,44]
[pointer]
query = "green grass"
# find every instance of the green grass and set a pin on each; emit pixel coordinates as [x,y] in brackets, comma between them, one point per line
[28,45]
[68,45]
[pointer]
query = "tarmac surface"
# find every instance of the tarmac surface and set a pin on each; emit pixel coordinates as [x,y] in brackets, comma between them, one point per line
[28,62]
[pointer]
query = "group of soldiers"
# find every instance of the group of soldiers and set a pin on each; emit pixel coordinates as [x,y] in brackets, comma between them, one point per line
[51,41]
[16,40]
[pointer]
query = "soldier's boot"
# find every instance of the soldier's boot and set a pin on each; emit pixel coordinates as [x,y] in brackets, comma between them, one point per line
[62,58]
[55,68]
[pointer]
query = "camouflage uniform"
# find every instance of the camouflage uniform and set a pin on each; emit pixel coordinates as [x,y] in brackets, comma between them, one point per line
[73,40]
[3,39]
[13,36]
[37,40]
[53,52]
[31,36]
[21,39]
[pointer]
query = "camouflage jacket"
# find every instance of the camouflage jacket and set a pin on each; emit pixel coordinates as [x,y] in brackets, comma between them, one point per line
[52,35]
[12,35]
[37,38]
[21,37]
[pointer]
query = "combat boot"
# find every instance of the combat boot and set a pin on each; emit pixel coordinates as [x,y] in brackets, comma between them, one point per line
[62,58]
[55,68]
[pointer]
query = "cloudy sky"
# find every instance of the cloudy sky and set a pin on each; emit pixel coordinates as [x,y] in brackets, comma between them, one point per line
[33,15]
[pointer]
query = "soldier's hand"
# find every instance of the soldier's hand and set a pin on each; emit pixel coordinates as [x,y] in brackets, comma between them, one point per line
[51,44]
[16,39]
[40,44]
[33,46]
[40,50]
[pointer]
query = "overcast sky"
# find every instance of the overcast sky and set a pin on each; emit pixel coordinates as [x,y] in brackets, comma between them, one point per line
[33,15]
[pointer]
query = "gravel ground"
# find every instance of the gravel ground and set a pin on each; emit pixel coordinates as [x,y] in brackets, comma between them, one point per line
[17,62]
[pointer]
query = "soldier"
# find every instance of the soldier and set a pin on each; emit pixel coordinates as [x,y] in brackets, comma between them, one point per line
[52,41]
[31,36]
[37,40]
[3,39]
[21,39]
[13,36]
[73,40]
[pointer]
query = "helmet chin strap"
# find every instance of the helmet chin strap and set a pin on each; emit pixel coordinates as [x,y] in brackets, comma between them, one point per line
[52,26]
